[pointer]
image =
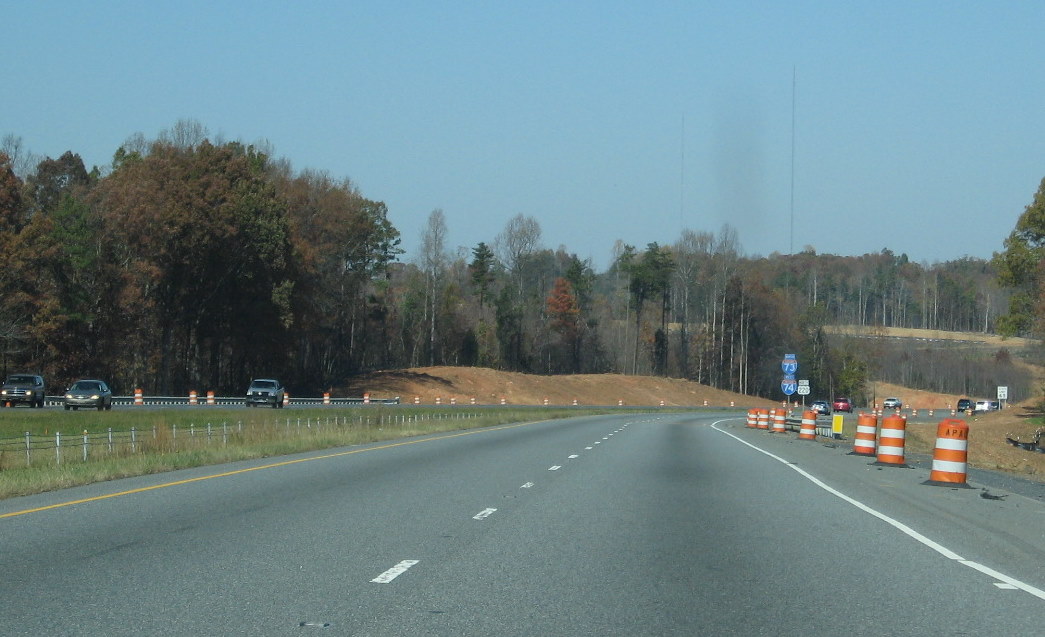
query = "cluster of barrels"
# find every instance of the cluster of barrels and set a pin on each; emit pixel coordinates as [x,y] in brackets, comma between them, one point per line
[884,439]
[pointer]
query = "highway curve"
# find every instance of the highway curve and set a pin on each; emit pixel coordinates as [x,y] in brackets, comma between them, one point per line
[674,524]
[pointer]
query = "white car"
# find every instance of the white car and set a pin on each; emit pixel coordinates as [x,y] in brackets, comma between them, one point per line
[986,405]
[892,403]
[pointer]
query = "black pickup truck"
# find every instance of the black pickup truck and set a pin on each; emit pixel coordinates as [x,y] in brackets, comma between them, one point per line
[22,388]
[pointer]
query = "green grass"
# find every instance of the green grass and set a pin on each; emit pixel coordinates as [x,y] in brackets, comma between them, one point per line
[166,440]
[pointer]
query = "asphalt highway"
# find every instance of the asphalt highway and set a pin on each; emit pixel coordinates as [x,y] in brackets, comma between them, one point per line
[672,524]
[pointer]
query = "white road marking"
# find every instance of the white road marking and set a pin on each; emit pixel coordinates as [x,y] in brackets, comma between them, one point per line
[394,572]
[527,485]
[482,515]
[554,467]
[1004,586]
[572,456]
[588,448]
[939,548]
[598,442]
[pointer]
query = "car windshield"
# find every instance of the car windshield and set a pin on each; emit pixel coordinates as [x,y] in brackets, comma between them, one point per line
[86,385]
[21,379]
[263,384]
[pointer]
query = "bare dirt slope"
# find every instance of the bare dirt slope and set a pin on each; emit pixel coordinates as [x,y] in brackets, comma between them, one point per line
[987,440]
[488,387]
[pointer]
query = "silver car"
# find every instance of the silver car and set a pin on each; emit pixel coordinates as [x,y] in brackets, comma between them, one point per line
[88,393]
[266,391]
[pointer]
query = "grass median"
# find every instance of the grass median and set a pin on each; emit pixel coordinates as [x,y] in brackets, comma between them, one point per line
[45,450]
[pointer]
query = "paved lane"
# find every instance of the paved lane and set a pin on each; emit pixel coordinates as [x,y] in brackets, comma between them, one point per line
[636,525]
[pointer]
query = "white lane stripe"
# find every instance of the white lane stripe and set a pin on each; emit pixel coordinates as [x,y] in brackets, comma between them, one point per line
[554,467]
[482,515]
[394,572]
[939,548]
[588,448]
[528,485]
[572,456]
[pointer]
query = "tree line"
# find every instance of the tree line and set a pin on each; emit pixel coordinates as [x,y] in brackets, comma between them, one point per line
[190,264]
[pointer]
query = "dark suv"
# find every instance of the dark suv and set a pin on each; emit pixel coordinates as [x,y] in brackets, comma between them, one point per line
[23,388]
[265,391]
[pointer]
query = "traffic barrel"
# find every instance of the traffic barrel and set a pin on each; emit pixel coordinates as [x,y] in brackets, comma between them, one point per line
[778,421]
[210,398]
[286,399]
[891,441]
[752,418]
[950,456]
[326,398]
[139,397]
[763,418]
[808,430]
[866,432]
[193,398]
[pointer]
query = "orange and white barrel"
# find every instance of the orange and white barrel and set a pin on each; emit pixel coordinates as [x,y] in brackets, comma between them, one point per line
[326,398]
[866,433]
[139,397]
[545,402]
[504,401]
[763,419]
[438,400]
[891,439]
[662,403]
[453,400]
[620,403]
[471,400]
[286,399]
[210,398]
[574,402]
[417,400]
[778,421]
[752,418]
[366,398]
[951,454]
[705,403]
[732,403]
[808,430]
[193,398]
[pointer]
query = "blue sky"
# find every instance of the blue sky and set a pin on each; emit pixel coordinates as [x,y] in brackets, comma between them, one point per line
[919,126]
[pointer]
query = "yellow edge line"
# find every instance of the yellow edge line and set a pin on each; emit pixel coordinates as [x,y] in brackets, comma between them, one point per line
[267,466]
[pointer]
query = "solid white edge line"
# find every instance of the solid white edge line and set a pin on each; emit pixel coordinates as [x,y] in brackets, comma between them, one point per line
[394,572]
[939,548]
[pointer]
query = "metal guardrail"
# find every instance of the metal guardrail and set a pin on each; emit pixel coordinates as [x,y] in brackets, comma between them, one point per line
[227,401]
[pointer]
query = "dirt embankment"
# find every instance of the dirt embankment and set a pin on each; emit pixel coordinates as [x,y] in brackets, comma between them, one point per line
[988,448]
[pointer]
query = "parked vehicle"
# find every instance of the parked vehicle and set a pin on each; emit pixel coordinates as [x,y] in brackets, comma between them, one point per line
[821,407]
[964,404]
[88,392]
[265,391]
[842,404]
[23,388]
[892,403]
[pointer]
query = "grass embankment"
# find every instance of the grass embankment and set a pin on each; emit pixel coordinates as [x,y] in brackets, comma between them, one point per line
[165,440]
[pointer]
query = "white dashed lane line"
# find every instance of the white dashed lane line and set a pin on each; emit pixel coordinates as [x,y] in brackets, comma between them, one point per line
[572,456]
[528,485]
[554,467]
[482,515]
[394,572]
